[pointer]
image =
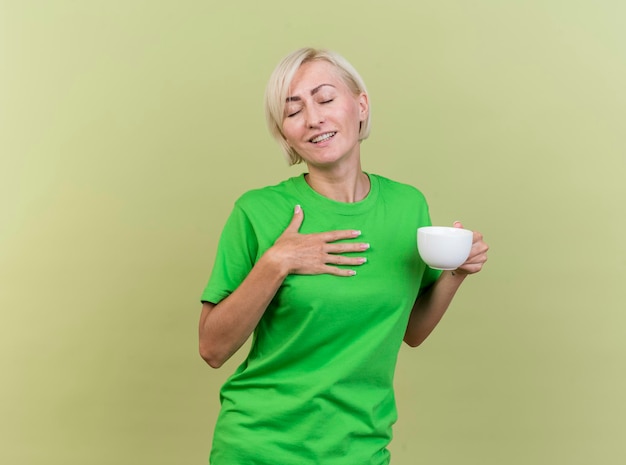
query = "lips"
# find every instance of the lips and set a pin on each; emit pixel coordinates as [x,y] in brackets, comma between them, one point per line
[322,137]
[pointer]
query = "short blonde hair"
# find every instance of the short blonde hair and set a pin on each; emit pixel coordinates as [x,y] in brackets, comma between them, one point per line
[280,81]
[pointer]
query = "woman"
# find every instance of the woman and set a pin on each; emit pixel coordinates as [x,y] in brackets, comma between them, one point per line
[323,269]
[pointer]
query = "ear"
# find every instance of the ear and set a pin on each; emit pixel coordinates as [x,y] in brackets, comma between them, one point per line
[364,106]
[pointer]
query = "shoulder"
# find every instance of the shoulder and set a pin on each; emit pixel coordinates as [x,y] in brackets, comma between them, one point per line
[265,212]
[268,207]
[389,187]
[266,196]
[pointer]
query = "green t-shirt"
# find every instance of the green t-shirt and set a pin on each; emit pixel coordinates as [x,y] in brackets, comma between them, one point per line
[317,385]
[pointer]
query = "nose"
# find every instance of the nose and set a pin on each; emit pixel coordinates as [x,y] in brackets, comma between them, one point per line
[314,116]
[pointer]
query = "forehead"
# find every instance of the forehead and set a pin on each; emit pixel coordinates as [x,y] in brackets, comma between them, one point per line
[313,74]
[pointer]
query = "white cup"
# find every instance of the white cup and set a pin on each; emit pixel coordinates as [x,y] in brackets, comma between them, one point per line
[443,247]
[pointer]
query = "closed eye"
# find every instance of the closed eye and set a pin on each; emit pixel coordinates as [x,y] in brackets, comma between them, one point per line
[295,112]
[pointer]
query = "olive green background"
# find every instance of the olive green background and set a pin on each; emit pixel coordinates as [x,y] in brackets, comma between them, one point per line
[128,128]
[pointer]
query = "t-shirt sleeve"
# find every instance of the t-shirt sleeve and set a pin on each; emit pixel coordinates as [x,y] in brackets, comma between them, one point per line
[235,257]
[430,275]
[428,278]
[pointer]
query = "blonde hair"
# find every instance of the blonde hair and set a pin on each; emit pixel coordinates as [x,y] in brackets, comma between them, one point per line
[278,85]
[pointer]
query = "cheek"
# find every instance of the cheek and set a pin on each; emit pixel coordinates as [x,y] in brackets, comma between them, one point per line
[354,114]
[289,132]
[287,129]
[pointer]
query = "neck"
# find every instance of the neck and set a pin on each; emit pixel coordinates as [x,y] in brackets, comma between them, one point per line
[347,186]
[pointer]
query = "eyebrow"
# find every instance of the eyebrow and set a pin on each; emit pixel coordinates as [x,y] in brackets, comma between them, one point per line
[313,92]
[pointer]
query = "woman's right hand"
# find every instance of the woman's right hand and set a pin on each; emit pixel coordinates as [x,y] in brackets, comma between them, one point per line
[315,253]
[225,327]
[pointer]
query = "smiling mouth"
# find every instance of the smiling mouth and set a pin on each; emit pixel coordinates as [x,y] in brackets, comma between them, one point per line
[323,137]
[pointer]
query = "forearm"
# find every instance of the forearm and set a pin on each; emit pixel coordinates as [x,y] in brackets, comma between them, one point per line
[225,327]
[430,307]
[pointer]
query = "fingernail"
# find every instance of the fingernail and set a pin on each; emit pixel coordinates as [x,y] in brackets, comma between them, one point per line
[362,260]
[365,246]
[298,209]
[351,272]
[356,232]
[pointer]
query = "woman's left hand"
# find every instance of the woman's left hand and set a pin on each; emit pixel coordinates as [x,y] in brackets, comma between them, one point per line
[477,256]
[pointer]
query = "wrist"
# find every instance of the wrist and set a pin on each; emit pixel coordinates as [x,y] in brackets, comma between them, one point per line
[455,275]
[273,264]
